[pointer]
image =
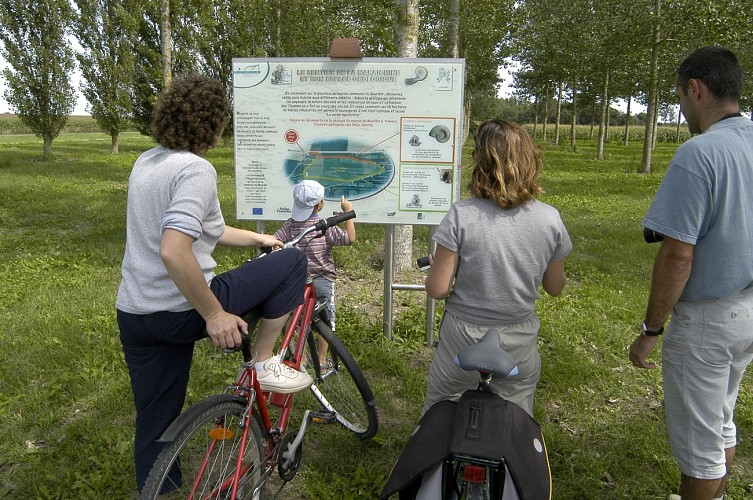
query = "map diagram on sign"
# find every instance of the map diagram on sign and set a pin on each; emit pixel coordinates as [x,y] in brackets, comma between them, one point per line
[344,167]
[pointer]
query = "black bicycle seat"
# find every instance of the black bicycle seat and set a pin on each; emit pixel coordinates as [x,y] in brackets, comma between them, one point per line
[487,356]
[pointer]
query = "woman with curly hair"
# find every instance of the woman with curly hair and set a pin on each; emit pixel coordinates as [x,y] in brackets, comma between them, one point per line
[169,296]
[493,252]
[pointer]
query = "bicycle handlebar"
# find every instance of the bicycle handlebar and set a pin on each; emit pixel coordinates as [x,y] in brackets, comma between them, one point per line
[322,225]
[336,219]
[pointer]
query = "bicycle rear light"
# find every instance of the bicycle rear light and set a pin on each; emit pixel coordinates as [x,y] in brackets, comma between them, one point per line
[474,473]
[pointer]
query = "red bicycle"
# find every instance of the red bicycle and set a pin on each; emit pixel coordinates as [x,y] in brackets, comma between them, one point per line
[228,445]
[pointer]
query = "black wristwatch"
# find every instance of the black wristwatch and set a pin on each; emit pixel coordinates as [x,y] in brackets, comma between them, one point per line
[645,332]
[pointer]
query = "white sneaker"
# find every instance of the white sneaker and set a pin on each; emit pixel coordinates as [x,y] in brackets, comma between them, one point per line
[279,377]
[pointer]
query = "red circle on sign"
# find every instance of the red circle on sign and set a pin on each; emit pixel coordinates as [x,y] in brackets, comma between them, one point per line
[291,136]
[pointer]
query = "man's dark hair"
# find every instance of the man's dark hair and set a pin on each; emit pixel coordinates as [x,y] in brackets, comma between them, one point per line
[717,68]
[191,114]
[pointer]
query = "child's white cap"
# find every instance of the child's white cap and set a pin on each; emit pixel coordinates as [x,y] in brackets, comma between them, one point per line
[306,195]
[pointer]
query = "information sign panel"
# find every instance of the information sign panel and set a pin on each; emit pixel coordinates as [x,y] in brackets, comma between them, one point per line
[384,133]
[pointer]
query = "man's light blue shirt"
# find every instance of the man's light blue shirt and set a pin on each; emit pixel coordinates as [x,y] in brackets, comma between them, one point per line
[706,200]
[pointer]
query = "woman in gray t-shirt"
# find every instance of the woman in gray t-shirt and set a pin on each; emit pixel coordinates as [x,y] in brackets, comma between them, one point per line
[493,252]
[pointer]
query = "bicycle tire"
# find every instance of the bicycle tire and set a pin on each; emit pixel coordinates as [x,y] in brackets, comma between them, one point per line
[190,446]
[344,389]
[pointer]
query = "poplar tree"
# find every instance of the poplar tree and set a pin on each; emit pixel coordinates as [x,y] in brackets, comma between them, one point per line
[105,29]
[35,43]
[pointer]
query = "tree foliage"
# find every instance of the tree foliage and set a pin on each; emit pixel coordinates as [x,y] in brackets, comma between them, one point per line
[305,28]
[593,50]
[35,44]
[207,35]
[485,31]
[106,29]
[603,49]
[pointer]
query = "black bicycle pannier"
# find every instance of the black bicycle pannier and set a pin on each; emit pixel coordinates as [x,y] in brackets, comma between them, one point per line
[480,430]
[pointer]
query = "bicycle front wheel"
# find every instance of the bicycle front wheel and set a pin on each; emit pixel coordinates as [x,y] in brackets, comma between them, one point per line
[341,387]
[201,461]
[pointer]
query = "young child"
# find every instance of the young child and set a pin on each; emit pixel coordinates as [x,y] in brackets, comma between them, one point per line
[308,201]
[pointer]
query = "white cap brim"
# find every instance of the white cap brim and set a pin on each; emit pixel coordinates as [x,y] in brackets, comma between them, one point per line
[301,213]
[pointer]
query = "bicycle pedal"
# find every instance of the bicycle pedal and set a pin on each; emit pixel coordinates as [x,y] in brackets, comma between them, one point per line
[323,417]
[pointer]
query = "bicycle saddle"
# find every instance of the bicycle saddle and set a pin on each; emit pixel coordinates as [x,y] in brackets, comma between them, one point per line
[487,356]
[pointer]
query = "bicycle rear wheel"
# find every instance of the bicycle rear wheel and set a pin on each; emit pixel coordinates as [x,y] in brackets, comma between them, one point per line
[201,461]
[341,387]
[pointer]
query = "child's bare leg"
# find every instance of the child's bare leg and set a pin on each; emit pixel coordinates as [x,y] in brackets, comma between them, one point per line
[322,347]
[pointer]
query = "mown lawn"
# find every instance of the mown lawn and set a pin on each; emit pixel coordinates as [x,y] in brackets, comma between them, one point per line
[66,416]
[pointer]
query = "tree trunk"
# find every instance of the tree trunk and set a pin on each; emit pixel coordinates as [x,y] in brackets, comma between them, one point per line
[278,32]
[47,148]
[654,134]
[406,33]
[406,29]
[626,136]
[403,249]
[573,118]
[454,52]
[546,115]
[559,115]
[535,115]
[114,143]
[593,119]
[165,37]
[466,119]
[454,25]
[603,117]
[651,110]
[677,130]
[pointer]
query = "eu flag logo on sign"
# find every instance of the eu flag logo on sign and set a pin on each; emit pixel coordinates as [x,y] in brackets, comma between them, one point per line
[257,211]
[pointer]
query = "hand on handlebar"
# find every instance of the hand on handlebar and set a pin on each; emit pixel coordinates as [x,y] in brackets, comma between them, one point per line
[225,329]
[269,241]
[424,263]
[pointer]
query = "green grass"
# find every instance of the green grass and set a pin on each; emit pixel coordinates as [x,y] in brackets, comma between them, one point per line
[66,416]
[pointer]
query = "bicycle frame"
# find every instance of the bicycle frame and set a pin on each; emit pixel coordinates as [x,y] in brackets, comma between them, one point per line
[301,316]
[248,386]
